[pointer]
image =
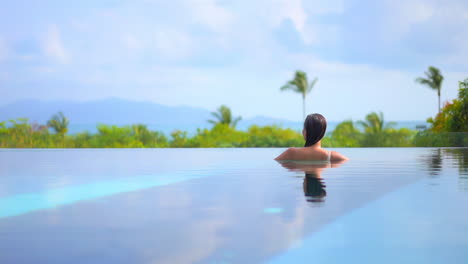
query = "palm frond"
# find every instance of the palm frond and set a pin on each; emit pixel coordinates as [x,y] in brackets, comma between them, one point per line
[433,78]
[234,123]
[287,86]
[424,81]
[363,124]
[311,85]
[223,116]
[291,85]
[59,123]
[216,115]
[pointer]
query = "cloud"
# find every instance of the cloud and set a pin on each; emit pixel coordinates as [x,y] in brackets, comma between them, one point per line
[304,16]
[172,43]
[402,16]
[293,10]
[449,29]
[131,42]
[322,7]
[53,47]
[3,50]
[207,52]
[209,14]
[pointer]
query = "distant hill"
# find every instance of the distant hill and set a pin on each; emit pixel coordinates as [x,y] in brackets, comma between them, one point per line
[119,112]
[264,121]
[108,111]
[84,116]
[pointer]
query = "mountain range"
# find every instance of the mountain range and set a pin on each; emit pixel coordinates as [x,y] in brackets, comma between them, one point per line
[84,116]
[120,112]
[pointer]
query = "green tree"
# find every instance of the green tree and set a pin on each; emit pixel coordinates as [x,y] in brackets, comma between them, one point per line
[300,84]
[272,136]
[3,128]
[346,134]
[375,123]
[219,136]
[116,137]
[375,130]
[433,80]
[454,115]
[224,116]
[450,126]
[180,139]
[59,123]
[141,133]
[19,132]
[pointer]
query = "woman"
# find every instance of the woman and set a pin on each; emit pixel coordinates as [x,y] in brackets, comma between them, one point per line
[314,129]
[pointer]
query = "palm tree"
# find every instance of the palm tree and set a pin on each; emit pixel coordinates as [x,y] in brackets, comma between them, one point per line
[463,85]
[375,124]
[59,123]
[224,116]
[375,130]
[433,80]
[299,84]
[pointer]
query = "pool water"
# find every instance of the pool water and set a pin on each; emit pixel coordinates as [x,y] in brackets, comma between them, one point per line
[385,205]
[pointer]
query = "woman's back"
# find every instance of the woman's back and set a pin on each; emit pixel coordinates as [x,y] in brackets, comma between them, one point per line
[310,153]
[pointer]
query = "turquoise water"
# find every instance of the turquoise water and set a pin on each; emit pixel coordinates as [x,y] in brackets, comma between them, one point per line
[232,206]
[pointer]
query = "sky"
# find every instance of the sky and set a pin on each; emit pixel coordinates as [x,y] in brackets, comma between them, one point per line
[204,53]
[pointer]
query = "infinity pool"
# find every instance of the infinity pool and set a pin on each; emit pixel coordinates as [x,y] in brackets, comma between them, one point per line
[393,205]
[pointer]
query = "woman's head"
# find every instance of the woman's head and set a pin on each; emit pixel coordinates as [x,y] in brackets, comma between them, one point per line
[315,126]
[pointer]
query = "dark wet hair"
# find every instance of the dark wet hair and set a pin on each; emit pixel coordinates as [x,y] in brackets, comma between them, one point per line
[315,126]
[314,188]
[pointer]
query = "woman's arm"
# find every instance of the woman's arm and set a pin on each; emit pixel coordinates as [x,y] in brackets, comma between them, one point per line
[336,156]
[286,155]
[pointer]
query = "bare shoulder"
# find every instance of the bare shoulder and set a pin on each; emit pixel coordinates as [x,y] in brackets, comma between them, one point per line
[288,154]
[336,156]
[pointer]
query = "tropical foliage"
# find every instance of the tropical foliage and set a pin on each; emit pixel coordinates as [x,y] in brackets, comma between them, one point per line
[450,126]
[346,134]
[371,132]
[433,80]
[224,116]
[374,132]
[21,134]
[301,85]
[454,115]
[59,123]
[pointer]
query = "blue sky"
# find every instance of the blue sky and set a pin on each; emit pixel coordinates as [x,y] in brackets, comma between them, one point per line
[205,53]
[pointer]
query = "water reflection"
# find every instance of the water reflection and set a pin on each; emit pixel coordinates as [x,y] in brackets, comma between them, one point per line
[249,211]
[314,188]
[459,158]
[434,162]
[449,157]
[313,184]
